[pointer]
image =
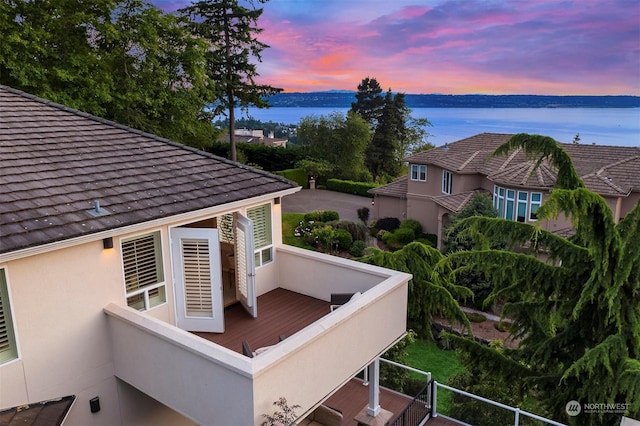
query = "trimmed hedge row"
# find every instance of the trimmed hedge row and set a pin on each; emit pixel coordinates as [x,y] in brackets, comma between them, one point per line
[299,176]
[351,187]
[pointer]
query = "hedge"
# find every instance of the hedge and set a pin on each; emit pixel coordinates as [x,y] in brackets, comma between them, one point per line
[299,176]
[351,187]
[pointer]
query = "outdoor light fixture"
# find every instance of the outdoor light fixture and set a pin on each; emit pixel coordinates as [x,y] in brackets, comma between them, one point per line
[276,200]
[94,403]
[107,243]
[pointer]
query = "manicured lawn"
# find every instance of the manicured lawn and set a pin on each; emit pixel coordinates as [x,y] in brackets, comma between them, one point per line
[426,356]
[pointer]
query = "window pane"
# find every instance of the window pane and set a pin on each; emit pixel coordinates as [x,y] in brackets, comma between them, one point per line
[423,173]
[521,215]
[142,263]
[414,172]
[8,349]
[266,255]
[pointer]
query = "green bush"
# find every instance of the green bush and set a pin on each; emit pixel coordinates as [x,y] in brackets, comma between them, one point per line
[351,187]
[404,235]
[299,176]
[475,317]
[357,230]
[342,239]
[413,225]
[358,248]
[321,216]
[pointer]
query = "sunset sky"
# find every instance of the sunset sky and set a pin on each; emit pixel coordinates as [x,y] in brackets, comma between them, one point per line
[572,47]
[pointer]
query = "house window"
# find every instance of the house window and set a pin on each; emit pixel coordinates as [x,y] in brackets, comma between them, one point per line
[419,172]
[521,212]
[536,202]
[498,200]
[143,272]
[447,182]
[262,239]
[509,206]
[8,348]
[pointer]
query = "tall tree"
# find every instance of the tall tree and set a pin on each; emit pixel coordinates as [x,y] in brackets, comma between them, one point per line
[369,101]
[576,309]
[338,141]
[382,154]
[432,290]
[231,31]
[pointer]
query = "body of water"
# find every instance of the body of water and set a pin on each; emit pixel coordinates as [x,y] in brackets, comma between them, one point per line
[602,126]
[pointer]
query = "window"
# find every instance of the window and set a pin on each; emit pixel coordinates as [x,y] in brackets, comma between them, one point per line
[8,348]
[522,208]
[262,239]
[536,202]
[419,172]
[143,272]
[521,212]
[447,182]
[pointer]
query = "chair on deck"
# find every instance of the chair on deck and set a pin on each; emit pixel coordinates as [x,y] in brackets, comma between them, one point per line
[339,299]
[246,349]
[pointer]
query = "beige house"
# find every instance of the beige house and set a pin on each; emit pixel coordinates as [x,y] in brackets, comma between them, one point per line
[134,270]
[442,180]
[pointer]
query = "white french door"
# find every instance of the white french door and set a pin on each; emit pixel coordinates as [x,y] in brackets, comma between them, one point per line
[197,279]
[245,264]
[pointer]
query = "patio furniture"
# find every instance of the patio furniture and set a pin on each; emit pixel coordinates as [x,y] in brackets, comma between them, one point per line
[339,299]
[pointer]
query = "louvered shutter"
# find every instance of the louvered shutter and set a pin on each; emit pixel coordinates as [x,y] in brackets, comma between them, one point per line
[197,277]
[261,218]
[7,341]
[141,259]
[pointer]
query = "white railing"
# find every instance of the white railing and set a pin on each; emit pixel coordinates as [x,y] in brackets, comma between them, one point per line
[517,412]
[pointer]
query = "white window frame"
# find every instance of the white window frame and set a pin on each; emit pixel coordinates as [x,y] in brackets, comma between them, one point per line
[419,172]
[510,199]
[263,245]
[8,340]
[522,202]
[535,204]
[447,182]
[149,301]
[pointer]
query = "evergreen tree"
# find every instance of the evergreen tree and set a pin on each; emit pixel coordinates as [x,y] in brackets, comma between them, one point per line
[431,290]
[382,154]
[574,302]
[230,31]
[369,101]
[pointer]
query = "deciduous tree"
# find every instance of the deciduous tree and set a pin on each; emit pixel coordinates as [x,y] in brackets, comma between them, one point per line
[575,302]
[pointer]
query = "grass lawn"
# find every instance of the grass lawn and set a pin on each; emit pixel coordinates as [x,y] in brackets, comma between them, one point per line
[427,356]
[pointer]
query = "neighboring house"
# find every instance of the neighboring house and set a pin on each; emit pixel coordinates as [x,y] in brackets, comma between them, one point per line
[443,179]
[255,137]
[116,246]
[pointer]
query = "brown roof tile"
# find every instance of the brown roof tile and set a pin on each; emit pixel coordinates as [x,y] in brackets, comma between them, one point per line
[608,170]
[397,188]
[56,161]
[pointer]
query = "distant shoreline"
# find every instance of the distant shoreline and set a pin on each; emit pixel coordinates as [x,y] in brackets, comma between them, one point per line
[344,100]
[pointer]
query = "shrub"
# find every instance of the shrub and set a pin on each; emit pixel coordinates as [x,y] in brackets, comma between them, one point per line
[413,225]
[299,176]
[325,236]
[502,326]
[305,231]
[350,187]
[342,239]
[388,224]
[321,216]
[357,230]
[363,214]
[358,247]
[404,235]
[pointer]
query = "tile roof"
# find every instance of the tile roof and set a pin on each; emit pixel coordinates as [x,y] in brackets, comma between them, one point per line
[455,202]
[56,161]
[397,188]
[608,170]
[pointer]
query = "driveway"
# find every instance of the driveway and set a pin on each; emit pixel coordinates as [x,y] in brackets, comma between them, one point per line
[307,200]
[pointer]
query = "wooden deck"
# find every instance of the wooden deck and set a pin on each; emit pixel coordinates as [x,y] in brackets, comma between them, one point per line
[283,312]
[280,312]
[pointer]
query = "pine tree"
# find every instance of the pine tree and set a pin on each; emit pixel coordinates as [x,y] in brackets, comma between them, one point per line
[369,101]
[230,30]
[574,302]
[431,290]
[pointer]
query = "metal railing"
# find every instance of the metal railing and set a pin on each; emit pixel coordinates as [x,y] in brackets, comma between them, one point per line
[517,412]
[418,411]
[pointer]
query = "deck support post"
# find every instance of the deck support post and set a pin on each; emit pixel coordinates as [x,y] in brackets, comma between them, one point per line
[373,409]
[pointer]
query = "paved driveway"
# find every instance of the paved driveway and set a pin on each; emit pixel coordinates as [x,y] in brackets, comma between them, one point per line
[308,200]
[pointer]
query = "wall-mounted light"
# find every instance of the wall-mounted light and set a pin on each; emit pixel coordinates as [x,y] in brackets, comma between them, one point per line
[276,200]
[94,403]
[107,243]
[373,202]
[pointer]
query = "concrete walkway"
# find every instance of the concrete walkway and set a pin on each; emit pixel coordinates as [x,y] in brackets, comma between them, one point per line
[308,200]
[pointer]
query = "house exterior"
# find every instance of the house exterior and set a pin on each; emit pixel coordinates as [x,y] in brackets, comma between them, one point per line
[116,246]
[255,137]
[442,180]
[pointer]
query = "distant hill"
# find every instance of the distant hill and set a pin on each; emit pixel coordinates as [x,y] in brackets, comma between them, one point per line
[343,99]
